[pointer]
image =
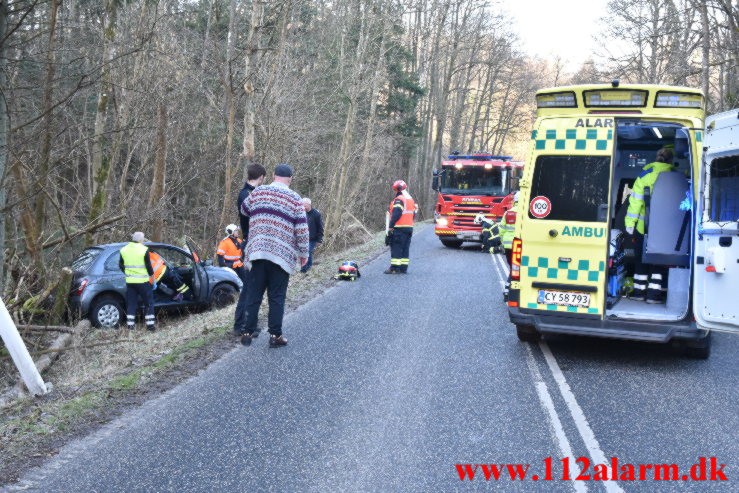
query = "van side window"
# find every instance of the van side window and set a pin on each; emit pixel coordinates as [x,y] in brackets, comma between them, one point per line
[724,191]
[575,185]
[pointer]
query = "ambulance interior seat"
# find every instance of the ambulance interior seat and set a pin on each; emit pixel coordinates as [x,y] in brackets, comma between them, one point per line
[667,239]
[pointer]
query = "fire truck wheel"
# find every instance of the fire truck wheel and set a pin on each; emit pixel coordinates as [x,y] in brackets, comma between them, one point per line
[527,333]
[451,243]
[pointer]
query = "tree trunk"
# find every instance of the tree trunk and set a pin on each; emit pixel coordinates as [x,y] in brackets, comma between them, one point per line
[3,141]
[706,48]
[160,168]
[100,165]
[250,78]
[230,115]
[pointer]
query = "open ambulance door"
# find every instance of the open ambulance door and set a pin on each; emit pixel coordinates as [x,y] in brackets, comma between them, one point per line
[717,234]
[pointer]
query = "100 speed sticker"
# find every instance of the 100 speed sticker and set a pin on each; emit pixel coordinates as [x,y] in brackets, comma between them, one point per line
[540,207]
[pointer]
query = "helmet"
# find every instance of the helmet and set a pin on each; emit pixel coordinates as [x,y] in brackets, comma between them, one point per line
[478,218]
[230,229]
[399,186]
[348,271]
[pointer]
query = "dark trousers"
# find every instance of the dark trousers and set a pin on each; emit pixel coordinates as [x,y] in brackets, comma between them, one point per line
[649,279]
[311,247]
[172,279]
[133,293]
[400,249]
[266,276]
[240,315]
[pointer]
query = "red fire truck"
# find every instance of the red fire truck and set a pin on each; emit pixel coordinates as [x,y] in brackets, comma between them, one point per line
[469,185]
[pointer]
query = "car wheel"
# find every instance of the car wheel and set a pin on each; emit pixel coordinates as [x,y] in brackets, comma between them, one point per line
[223,295]
[699,349]
[527,333]
[451,243]
[106,312]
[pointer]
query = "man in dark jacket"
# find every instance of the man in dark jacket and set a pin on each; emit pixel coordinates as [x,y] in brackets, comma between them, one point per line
[315,231]
[255,174]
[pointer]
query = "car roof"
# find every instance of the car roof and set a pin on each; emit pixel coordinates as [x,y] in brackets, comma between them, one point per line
[122,244]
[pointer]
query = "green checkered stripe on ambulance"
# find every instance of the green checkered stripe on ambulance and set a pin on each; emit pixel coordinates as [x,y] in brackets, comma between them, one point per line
[572,139]
[553,270]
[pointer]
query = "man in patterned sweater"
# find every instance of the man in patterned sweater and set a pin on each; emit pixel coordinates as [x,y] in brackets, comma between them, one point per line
[278,240]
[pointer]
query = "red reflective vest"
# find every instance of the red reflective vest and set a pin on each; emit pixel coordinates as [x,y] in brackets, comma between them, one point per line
[231,254]
[409,211]
[158,265]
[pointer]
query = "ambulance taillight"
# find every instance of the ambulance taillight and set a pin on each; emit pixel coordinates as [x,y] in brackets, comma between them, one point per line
[516,259]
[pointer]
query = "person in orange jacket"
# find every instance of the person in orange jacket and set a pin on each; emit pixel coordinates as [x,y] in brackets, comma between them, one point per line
[231,252]
[402,212]
[165,274]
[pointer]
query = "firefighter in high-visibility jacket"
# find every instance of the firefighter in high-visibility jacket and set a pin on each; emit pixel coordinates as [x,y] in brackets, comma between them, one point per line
[648,279]
[231,251]
[508,228]
[165,274]
[136,265]
[491,242]
[400,228]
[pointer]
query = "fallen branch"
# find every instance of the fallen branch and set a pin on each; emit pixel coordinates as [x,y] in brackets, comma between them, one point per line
[84,346]
[360,224]
[85,231]
[47,328]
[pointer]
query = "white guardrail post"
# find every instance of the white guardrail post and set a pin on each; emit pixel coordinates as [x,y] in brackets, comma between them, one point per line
[19,353]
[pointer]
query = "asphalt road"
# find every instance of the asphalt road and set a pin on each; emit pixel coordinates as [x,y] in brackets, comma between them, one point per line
[390,382]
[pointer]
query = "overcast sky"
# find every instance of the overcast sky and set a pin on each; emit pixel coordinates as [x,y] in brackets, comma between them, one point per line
[564,27]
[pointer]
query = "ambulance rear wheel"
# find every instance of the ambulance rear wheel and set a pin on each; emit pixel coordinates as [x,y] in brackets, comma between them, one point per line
[527,333]
[698,349]
[451,243]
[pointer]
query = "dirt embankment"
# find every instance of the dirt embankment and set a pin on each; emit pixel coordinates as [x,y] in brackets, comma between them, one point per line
[93,385]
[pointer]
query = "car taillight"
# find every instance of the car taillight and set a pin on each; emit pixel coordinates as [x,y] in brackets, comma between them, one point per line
[516,259]
[82,286]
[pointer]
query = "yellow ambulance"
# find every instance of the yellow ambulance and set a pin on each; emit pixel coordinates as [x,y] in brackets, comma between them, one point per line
[573,259]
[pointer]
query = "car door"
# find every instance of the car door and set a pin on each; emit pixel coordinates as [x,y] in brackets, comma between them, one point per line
[716,234]
[201,284]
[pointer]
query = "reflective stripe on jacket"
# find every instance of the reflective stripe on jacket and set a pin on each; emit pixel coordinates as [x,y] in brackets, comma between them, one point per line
[230,252]
[134,263]
[409,211]
[157,263]
[635,214]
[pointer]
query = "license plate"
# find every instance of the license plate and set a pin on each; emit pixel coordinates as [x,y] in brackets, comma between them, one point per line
[468,235]
[563,298]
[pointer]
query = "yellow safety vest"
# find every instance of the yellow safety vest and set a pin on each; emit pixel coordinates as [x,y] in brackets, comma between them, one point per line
[134,263]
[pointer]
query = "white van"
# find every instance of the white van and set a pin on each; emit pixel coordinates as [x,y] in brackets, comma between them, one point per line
[715,302]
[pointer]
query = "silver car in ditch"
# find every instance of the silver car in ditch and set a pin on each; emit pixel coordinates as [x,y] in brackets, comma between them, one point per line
[99,286]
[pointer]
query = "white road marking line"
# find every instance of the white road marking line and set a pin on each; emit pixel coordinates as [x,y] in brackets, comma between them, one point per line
[542,390]
[501,278]
[581,422]
[545,398]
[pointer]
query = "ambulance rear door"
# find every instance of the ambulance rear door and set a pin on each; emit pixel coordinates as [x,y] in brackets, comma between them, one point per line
[717,233]
[564,217]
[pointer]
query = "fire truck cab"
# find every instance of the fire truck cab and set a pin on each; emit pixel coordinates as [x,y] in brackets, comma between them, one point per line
[468,185]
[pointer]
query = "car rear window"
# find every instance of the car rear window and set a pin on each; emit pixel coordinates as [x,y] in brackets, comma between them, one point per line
[575,186]
[86,258]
